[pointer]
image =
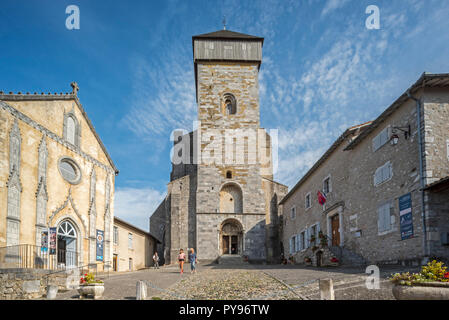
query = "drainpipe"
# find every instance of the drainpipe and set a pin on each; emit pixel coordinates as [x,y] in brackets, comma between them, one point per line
[421,171]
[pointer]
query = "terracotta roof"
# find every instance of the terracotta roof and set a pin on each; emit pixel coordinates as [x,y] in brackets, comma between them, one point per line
[11,96]
[426,80]
[438,185]
[363,127]
[226,35]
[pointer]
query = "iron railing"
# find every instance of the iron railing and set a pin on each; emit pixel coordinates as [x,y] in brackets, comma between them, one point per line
[36,257]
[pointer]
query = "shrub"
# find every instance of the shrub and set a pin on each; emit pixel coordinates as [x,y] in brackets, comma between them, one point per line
[433,271]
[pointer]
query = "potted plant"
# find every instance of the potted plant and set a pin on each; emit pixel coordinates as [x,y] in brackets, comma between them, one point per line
[323,239]
[312,238]
[291,259]
[431,283]
[307,260]
[334,261]
[90,286]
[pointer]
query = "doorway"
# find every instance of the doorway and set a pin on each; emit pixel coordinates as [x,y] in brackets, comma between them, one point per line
[335,225]
[114,262]
[231,237]
[67,245]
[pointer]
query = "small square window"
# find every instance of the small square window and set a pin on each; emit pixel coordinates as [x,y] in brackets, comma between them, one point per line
[308,201]
[293,213]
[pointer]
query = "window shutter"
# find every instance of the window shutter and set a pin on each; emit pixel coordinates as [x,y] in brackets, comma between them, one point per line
[380,219]
[291,245]
[375,143]
[297,243]
[317,229]
[377,176]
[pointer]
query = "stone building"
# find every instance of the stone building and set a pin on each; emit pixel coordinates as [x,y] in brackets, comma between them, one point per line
[55,176]
[221,198]
[385,183]
[133,248]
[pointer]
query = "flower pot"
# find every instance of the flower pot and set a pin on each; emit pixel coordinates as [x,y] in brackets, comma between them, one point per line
[422,291]
[93,289]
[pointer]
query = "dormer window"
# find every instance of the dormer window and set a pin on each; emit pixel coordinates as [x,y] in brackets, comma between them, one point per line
[230,104]
[71,129]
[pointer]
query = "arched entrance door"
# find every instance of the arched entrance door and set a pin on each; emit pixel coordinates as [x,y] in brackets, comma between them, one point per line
[231,235]
[67,244]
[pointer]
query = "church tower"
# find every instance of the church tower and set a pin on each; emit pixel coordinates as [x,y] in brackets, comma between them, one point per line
[221,199]
[230,200]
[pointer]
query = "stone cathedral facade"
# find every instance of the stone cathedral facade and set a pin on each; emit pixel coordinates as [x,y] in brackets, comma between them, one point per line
[54,173]
[221,198]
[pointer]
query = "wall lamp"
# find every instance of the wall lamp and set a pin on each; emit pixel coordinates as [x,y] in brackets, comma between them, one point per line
[395,138]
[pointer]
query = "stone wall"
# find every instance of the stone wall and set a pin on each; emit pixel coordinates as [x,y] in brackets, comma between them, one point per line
[28,283]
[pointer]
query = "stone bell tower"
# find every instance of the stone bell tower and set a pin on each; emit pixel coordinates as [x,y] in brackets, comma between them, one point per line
[221,199]
[231,203]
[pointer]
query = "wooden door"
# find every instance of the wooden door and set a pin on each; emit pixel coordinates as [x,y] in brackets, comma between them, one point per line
[225,244]
[335,230]
[114,262]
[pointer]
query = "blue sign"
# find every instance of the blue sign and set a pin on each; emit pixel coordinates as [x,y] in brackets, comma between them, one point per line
[405,216]
[100,240]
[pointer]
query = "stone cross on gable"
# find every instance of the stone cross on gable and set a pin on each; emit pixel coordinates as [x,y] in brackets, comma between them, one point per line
[75,87]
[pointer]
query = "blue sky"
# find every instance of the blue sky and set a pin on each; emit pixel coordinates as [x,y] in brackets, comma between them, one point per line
[322,71]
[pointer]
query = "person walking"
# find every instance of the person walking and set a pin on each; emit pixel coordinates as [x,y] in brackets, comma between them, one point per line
[156,260]
[181,259]
[193,260]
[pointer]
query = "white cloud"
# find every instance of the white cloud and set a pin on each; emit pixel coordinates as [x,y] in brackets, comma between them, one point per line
[136,205]
[332,5]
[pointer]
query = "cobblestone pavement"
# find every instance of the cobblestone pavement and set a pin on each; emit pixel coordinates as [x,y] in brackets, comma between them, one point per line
[122,286]
[349,283]
[246,282]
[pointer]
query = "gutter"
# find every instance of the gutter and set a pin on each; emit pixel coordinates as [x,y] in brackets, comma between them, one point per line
[421,172]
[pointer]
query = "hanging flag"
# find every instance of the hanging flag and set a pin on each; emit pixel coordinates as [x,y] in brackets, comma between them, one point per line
[321,197]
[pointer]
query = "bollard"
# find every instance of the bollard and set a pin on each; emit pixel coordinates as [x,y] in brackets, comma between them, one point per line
[52,291]
[141,289]
[326,289]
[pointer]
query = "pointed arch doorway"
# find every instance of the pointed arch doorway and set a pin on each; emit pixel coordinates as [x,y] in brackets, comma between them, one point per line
[67,244]
[231,235]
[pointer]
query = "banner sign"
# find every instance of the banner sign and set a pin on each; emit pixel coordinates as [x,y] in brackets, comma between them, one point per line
[44,241]
[100,238]
[52,240]
[405,216]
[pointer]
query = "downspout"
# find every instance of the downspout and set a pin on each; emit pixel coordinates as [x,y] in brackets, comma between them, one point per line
[421,171]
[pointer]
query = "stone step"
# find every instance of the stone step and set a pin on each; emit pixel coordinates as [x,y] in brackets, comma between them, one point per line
[347,257]
[231,259]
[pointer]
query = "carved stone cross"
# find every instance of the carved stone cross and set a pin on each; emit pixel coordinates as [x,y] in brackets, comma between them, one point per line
[75,87]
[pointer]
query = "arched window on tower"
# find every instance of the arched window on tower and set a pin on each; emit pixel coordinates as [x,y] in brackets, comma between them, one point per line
[71,129]
[230,104]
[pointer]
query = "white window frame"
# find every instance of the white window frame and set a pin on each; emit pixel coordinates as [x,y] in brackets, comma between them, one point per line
[293,213]
[130,240]
[382,221]
[330,184]
[115,235]
[309,194]
[381,139]
[387,166]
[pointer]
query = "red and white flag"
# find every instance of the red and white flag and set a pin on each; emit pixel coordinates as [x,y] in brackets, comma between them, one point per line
[321,197]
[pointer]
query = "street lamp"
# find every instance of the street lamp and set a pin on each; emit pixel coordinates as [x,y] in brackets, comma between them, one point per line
[395,138]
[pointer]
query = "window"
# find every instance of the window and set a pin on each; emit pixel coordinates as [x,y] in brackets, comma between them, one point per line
[302,240]
[293,244]
[313,233]
[383,173]
[228,175]
[384,220]
[308,202]
[130,264]
[230,104]
[327,185]
[130,240]
[71,129]
[293,213]
[381,139]
[69,170]
[115,235]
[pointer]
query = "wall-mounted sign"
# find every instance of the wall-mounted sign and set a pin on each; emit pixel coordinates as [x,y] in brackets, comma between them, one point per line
[52,240]
[405,216]
[44,241]
[100,240]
